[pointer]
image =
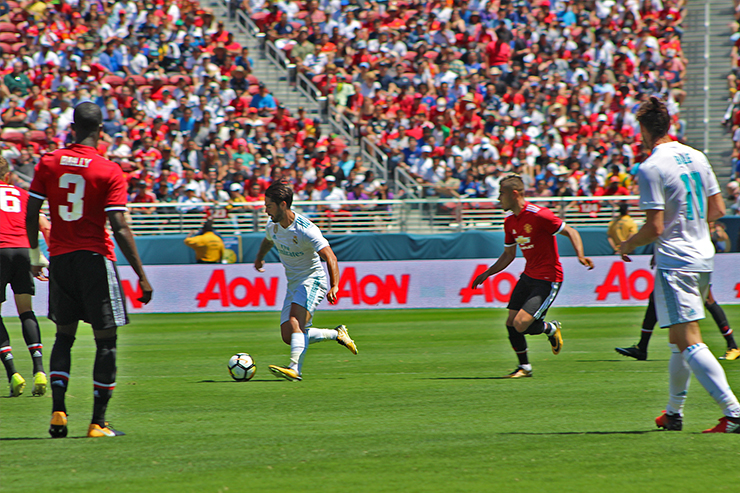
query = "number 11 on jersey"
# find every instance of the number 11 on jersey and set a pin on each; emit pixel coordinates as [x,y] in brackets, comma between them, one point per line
[694,194]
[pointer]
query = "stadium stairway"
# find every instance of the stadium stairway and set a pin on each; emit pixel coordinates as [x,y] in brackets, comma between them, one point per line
[276,80]
[274,77]
[706,43]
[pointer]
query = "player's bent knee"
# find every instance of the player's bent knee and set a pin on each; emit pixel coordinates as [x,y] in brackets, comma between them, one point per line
[23,303]
[521,326]
[101,334]
[67,329]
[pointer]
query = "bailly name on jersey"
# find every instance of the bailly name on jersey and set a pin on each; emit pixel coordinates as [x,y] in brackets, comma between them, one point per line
[79,162]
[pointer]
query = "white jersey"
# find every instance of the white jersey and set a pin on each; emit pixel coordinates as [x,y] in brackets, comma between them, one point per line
[678,180]
[297,246]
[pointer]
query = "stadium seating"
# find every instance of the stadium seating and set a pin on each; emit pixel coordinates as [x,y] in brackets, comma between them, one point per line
[508,100]
[79,67]
[624,48]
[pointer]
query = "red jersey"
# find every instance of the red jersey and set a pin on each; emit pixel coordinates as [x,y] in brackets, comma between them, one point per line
[534,230]
[498,53]
[13,202]
[81,187]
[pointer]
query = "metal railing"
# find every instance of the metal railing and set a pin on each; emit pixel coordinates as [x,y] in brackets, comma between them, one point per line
[432,215]
[375,158]
[308,89]
[342,125]
[242,20]
[276,56]
[405,182]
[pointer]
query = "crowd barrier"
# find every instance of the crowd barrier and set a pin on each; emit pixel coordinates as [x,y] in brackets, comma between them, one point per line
[170,249]
[395,284]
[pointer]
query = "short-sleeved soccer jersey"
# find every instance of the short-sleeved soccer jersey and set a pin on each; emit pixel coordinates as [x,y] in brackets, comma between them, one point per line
[13,202]
[678,180]
[297,247]
[534,230]
[81,187]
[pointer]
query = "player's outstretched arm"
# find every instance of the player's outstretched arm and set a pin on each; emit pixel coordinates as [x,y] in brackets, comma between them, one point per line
[32,231]
[45,227]
[331,261]
[503,262]
[259,260]
[575,239]
[648,233]
[32,221]
[125,240]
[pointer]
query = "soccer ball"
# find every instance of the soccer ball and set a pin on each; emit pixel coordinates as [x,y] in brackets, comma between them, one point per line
[242,367]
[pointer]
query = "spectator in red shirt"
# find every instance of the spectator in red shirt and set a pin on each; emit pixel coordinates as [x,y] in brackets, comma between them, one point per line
[498,52]
[615,187]
[142,195]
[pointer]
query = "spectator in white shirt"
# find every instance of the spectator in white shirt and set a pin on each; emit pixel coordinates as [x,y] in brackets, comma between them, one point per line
[333,193]
[39,118]
[135,63]
[65,115]
[350,25]
[46,56]
[166,105]
[316,62]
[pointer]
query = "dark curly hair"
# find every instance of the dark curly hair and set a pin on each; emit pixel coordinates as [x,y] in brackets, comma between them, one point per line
[653,116]
[279,191]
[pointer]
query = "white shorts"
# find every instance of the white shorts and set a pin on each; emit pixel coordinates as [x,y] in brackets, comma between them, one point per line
[307,294]
[680,296]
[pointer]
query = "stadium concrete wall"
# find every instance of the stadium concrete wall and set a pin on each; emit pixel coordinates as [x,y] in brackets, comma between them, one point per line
[396,284]
[369,247]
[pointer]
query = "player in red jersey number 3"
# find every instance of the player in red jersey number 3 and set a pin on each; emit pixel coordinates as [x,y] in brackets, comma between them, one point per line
[83,190]
[533,228]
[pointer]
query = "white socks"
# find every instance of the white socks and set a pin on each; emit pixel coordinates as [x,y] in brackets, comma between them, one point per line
[298,346]
[299,343]
[318,335]
[549,328]
[712,377]
[679,376]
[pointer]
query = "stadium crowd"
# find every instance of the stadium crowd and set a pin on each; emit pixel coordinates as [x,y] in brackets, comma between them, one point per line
[546,88]
[456,93]
[732,115]
[183,114]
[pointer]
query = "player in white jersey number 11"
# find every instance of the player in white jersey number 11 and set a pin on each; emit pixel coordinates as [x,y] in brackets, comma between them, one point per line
[680,194]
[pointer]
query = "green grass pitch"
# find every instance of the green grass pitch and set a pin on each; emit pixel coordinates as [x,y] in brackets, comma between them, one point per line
[420,409]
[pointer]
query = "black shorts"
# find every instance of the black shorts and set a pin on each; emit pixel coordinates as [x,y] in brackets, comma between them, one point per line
[84,286]
[534,296]
[15,269]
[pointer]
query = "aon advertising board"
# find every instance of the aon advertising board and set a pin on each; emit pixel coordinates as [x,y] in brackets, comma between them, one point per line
[396,284]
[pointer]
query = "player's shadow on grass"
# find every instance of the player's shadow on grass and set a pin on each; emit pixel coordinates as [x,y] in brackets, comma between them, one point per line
[471,378]
[250,381]
[15,439]
[617,360]
[637,432]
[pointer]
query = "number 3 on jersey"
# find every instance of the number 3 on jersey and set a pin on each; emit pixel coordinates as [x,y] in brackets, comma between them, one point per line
[694,194]
[76,183]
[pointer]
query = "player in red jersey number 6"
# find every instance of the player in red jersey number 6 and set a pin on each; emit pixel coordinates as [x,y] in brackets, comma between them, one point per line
[15,269]
[533,228]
